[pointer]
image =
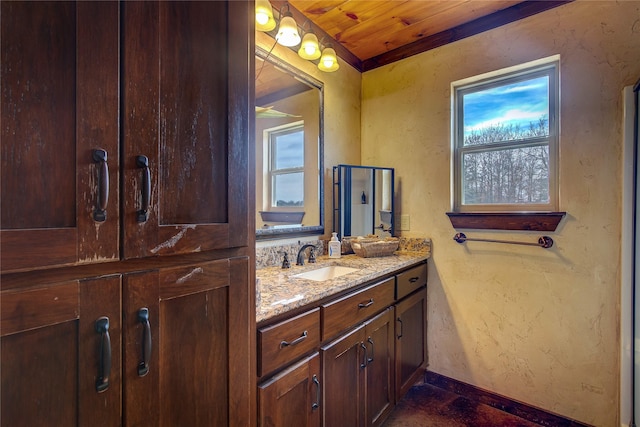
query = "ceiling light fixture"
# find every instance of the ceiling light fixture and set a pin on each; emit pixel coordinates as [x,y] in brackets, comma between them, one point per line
[287,34]
[310,47]
[264,16]
[328,60]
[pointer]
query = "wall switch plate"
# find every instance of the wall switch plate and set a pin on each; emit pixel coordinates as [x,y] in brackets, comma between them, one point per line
[402,222]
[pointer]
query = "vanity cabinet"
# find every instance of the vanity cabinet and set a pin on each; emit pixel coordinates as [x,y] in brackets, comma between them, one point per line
[411,341]
[372,350]
[357,372]
[126,262]
[292,398]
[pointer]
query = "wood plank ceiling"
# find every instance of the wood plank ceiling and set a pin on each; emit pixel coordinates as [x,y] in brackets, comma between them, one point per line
[370,33]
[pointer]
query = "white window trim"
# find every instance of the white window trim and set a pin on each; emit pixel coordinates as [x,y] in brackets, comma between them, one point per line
[269,182]
[551,62]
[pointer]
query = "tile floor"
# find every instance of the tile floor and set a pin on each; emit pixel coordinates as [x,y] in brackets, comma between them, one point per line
[428,406]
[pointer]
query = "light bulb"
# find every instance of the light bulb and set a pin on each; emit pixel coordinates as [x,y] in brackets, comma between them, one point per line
[329,60]
[288,31]
[309,49]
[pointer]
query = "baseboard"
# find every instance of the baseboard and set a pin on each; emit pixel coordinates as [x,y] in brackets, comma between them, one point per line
[519,409]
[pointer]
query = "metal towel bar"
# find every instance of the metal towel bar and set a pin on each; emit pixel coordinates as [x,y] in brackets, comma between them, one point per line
[544,241]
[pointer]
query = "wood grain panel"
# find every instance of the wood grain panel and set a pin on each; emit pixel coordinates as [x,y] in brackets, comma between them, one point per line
[39,377]
[23,310]
[38,46]
[180,281]
[193,113]
[194,389]
[45,247]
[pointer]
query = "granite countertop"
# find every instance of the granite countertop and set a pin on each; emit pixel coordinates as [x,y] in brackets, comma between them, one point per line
[277,292]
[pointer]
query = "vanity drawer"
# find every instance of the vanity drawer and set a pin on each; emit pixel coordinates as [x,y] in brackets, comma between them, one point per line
[411,280]
[283,342]
[354,308]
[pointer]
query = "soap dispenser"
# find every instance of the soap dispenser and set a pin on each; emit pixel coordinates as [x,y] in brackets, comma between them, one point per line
[335,247]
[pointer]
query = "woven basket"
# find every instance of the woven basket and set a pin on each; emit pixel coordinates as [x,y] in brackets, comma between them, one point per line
[369,248]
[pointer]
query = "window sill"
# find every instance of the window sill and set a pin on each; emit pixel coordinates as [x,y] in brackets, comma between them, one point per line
[530,221]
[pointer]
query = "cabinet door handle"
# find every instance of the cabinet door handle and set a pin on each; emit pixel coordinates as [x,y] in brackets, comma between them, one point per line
[143,163]
[143,317]
[364,358]
[367,304]
[100,212]
[414,279]
[298,340]
[316,404]
[401,328]
[102,327]
[370,341]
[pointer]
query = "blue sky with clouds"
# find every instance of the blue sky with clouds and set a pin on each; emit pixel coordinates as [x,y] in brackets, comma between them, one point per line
[517,103]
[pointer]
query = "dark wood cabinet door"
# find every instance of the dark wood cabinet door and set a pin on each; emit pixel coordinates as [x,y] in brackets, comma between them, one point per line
[380,368]
[411,341]
[186,131]
[193,324]
[59,79]
[292,398]
[343,365]
[58,367]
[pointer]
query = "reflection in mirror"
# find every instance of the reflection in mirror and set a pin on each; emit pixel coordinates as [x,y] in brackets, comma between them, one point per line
[289,150]
[363,200]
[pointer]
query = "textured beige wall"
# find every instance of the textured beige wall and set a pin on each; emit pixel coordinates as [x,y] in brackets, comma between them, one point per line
[540,326]
[341,113]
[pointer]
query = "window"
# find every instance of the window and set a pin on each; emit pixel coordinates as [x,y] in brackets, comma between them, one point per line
[505,140]
[286,165]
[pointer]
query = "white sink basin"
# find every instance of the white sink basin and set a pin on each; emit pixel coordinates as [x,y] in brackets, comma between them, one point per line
[325,273]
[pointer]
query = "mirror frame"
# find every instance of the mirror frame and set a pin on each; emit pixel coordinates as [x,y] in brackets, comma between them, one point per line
[283,233]
[339,184]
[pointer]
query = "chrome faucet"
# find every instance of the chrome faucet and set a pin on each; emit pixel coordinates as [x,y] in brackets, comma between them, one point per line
[312,256]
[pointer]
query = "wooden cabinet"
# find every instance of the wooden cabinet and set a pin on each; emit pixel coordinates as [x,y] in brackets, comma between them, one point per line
[185,160]
[182,312]
[292,398]
[357,372]
[183,86]
[373,349]
[411,341]
[59,104]
[125,197]
[60,352]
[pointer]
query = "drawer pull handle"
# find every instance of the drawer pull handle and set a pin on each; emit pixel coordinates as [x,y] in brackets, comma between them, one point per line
[100,212]
[364,305]
[364,359]
[400,334]
[102,327]
[316,404]
[143,317]
[298,340]
[370,341]
[414,279]
[142,162]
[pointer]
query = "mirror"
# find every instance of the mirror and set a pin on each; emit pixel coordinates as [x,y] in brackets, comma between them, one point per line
[363,200]
[289,150]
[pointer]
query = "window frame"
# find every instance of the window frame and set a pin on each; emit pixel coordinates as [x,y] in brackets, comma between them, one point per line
[272,135]
[544,67]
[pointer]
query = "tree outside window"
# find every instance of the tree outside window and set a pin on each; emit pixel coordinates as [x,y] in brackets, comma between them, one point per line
[505,140]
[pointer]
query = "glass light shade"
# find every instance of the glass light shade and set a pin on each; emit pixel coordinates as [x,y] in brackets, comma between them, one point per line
[329,60]
[309,48]
[264,16]
[288,31]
